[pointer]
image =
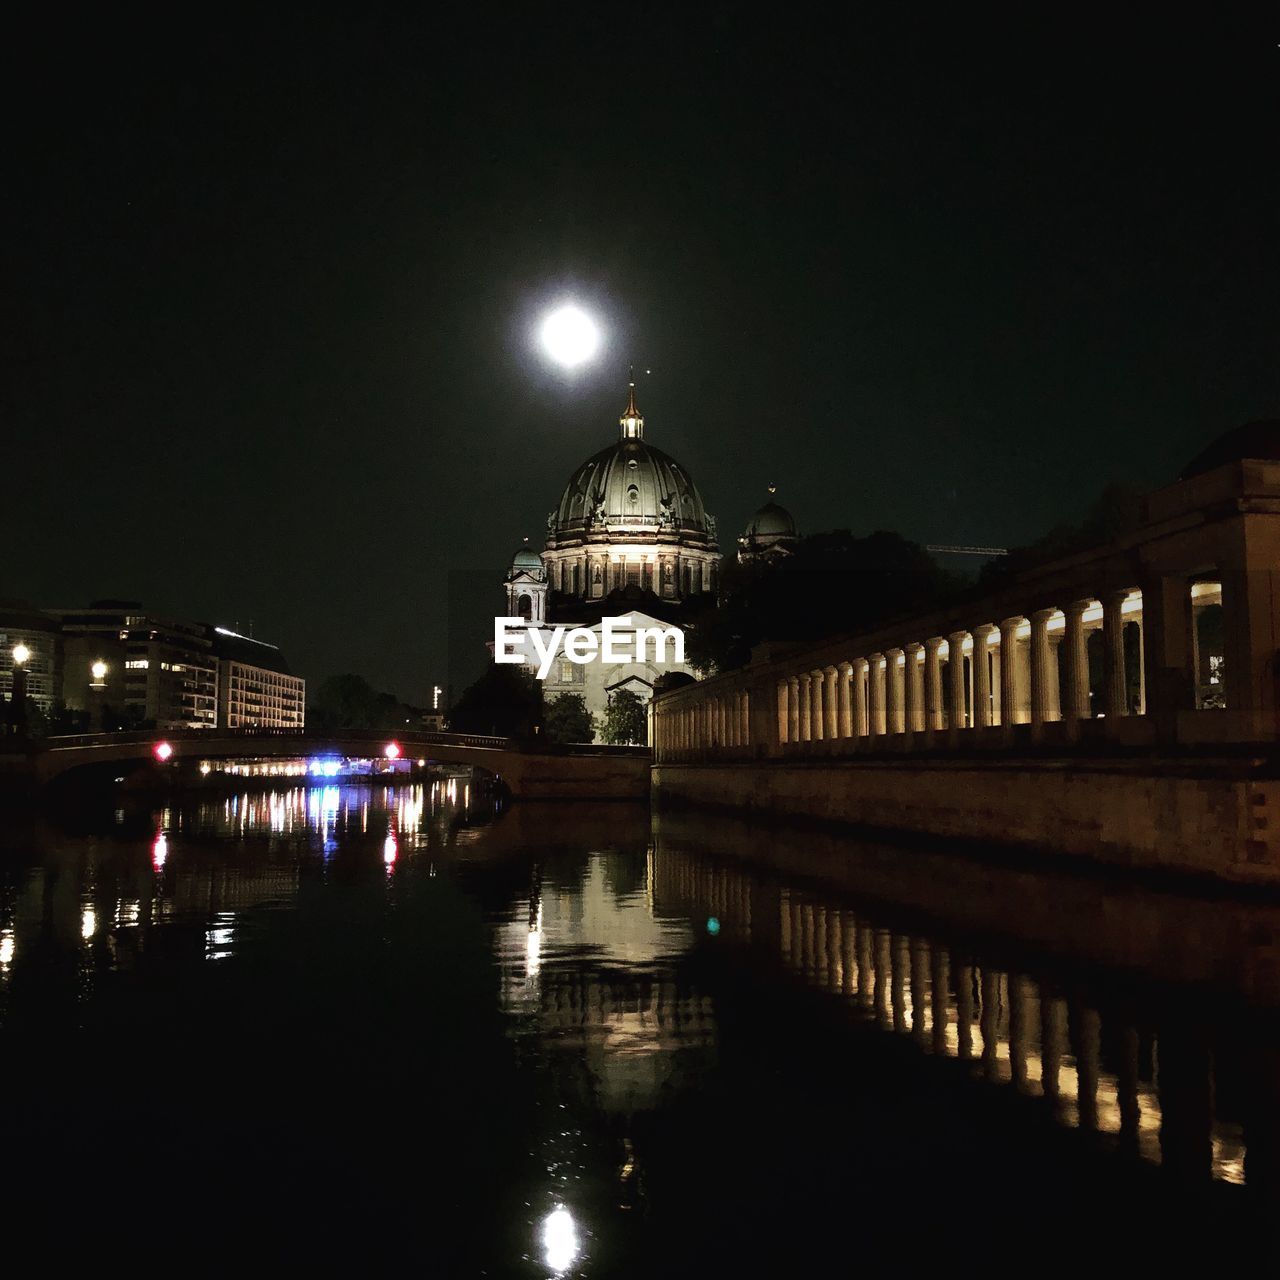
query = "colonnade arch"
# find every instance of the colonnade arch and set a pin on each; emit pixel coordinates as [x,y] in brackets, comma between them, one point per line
[1064,662]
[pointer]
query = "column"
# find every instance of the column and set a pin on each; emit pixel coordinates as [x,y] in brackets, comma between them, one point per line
[875,690]
[1043,676]
[1076,657]
[933,683]
[982,717]
[1009,683]
[830,708]
[815,708]
[783,722]
[806,708]
[913,678]
[1113,640]
[744,718]
[895,719]
[858,695]
[844,701]
[955,678]
[1055,675]
[1166,643]
[793,709]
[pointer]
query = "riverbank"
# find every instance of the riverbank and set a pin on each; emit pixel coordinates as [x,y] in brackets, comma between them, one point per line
[1206,818]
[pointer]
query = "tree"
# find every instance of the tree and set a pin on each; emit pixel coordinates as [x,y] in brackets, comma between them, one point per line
[831,584]
[350,702]
[506,700]
[1116,511]
[625,720]
[568,720]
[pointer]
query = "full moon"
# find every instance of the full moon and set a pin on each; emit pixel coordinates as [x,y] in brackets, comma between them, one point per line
[570,336]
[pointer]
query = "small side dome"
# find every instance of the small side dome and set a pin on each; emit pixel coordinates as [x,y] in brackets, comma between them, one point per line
[772,521]
[526,558]
[772,531]
[1259,439]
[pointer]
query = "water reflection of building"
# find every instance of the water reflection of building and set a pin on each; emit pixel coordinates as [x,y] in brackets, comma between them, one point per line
[191,874]
[596,969]
[1150,1089]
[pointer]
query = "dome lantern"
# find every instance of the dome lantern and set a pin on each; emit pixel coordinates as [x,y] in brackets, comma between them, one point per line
[631,422]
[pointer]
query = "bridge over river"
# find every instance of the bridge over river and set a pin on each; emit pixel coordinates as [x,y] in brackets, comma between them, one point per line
[528,769]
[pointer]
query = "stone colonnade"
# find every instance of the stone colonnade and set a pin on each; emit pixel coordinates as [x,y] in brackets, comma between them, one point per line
[992,676]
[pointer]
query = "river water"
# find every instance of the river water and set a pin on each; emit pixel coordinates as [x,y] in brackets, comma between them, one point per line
[396,1028]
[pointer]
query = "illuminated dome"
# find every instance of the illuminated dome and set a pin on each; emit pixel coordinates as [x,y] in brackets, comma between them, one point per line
[631,514]
[631,487]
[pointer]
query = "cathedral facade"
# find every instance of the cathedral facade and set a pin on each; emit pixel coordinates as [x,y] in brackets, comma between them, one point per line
[630,536]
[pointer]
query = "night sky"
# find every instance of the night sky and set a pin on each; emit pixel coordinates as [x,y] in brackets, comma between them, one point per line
[272,284]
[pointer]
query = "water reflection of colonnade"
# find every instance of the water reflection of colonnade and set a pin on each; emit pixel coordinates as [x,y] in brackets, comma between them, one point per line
[1149,1089]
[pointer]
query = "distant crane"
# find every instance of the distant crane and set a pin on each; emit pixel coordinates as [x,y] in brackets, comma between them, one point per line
[970,551]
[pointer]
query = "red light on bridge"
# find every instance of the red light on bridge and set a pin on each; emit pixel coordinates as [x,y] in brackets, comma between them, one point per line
[162,751]
[392,751]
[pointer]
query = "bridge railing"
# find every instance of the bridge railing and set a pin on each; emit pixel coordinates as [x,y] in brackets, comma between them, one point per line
[309,740]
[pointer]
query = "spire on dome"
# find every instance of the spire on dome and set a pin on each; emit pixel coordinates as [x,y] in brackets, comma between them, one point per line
[632,422]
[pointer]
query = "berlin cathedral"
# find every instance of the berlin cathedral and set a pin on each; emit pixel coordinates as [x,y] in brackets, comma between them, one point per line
[629,536]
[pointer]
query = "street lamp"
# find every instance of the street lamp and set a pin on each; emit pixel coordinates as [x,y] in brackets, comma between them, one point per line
[97,695]
[18,690]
